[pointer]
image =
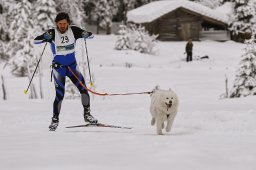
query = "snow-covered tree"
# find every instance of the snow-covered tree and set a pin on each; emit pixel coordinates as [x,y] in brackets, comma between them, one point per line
[135,38]
[141,40]
[123,7]
[224,1]
[5,43]
[253,4]
[22,29]
[210,3]
[3,58]
[242,21]
[123,42]
[104,12]
[45,12]
[4,29]
[75,9]
[142,2]
[245,81]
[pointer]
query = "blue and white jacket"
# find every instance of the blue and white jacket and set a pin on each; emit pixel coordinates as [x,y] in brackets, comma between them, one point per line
[62,45]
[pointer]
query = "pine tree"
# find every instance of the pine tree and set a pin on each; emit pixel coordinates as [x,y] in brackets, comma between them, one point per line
[210,3]
[123,7]
[245,81]
[253,4]
[242,21]
[45,12]
[22,36]
[104,11]
[22,27]
[4,29]
[75,8]
[224,1]
[123,42]
[135,38]
[5,47]
[141,40]
[142,2]
[3,56]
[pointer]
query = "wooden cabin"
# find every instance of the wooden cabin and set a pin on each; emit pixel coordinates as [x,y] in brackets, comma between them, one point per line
[180,21]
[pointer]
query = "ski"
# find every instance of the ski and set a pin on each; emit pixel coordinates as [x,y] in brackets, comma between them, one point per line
[100,125]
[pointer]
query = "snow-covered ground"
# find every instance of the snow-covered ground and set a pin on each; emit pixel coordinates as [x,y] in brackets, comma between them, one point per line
[208,133]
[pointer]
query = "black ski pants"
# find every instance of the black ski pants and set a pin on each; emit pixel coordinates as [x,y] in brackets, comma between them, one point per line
[189,56]
[59,75]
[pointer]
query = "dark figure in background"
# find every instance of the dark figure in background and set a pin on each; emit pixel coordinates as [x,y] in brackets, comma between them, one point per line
[189,50]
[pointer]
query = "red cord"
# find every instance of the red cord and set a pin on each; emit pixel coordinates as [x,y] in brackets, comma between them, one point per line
[103,94]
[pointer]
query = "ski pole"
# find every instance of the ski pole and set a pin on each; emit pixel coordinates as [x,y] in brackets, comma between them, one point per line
[26,91]
[88,63]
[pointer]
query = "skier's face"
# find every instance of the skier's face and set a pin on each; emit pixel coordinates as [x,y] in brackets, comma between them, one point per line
[62,25]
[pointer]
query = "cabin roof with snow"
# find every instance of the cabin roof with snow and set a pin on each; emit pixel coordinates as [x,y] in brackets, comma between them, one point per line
[154,10]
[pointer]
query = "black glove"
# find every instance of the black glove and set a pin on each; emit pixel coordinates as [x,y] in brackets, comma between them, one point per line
[47,36]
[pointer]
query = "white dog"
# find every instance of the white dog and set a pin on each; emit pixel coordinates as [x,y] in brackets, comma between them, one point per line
[163,108]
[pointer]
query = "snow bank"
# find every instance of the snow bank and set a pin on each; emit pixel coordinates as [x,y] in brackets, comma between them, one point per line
[207,134]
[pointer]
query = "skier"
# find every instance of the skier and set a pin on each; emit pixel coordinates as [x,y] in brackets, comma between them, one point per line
[62,39]
[189,50]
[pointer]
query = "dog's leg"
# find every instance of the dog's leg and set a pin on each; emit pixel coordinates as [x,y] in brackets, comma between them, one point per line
[159,124]
[169,123]
[153,121]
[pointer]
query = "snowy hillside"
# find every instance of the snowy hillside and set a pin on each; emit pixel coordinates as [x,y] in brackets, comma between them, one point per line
[208,133]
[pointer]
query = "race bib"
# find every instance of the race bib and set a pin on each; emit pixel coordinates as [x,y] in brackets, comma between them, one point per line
[64,43]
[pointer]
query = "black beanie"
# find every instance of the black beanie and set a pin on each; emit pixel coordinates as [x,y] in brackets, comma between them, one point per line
[61,16]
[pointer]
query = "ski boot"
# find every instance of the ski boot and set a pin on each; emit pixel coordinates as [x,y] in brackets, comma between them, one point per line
[54,124]
[88,118]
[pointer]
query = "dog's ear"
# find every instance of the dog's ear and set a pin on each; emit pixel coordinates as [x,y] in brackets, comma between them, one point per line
[156,88]
[170,89]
